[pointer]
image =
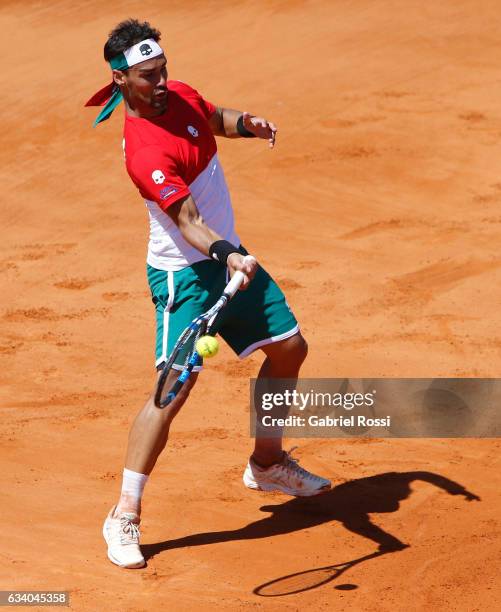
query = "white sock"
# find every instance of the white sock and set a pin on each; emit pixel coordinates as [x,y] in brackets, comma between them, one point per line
[133,484]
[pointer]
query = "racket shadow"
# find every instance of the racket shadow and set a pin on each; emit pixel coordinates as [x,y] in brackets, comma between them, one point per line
[309,579]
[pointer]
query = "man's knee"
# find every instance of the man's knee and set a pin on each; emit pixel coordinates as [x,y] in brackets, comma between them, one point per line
[300,346]
[296,348]
[292,350]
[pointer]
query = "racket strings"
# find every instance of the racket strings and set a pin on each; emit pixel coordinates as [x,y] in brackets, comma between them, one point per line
[196,336]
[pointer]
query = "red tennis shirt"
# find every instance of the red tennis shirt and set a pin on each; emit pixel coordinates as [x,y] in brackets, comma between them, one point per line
[169,157]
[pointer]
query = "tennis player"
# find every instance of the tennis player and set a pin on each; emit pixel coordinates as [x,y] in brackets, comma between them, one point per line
[171,156]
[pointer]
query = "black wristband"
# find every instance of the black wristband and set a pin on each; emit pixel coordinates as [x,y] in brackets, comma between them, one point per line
[221,250]
[242,130]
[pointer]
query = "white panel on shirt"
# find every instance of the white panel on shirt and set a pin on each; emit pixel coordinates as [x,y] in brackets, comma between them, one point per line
[167,249]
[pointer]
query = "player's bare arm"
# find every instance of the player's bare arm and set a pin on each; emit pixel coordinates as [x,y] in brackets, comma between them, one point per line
[196,232]
[232,123]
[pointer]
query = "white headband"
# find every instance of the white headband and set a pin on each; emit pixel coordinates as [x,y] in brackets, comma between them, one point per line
[140,52]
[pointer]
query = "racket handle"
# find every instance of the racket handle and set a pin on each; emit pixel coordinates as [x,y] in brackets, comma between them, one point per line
[232,287]
[236,280]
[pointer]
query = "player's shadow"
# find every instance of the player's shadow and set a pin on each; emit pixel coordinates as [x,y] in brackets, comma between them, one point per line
[350,503]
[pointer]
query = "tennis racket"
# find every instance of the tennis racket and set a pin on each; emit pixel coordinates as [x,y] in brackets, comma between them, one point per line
[197,328]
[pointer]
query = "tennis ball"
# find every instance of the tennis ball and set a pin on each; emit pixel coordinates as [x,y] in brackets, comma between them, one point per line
[207,346]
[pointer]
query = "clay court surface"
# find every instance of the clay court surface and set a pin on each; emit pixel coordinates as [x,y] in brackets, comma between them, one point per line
[378,212]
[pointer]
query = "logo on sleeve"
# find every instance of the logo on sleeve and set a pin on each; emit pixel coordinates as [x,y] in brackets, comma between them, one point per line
[192,130]
[158,177]
[167,192]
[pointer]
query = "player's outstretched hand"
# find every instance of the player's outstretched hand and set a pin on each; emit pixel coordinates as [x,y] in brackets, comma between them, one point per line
[261,127]
[246,264]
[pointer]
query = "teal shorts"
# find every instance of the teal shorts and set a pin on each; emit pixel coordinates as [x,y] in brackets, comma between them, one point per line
[253,318]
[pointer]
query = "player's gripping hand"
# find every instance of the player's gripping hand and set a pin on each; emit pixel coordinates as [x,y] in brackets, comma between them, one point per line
[260,127]
[246,264]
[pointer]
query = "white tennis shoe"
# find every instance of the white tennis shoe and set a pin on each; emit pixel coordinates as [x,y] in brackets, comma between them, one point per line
[287,476]
[122,536]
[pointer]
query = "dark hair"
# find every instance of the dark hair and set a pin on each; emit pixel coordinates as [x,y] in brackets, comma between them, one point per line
[126,34]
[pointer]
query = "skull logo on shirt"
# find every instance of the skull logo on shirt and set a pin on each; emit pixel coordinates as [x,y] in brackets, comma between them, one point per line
[158,177]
